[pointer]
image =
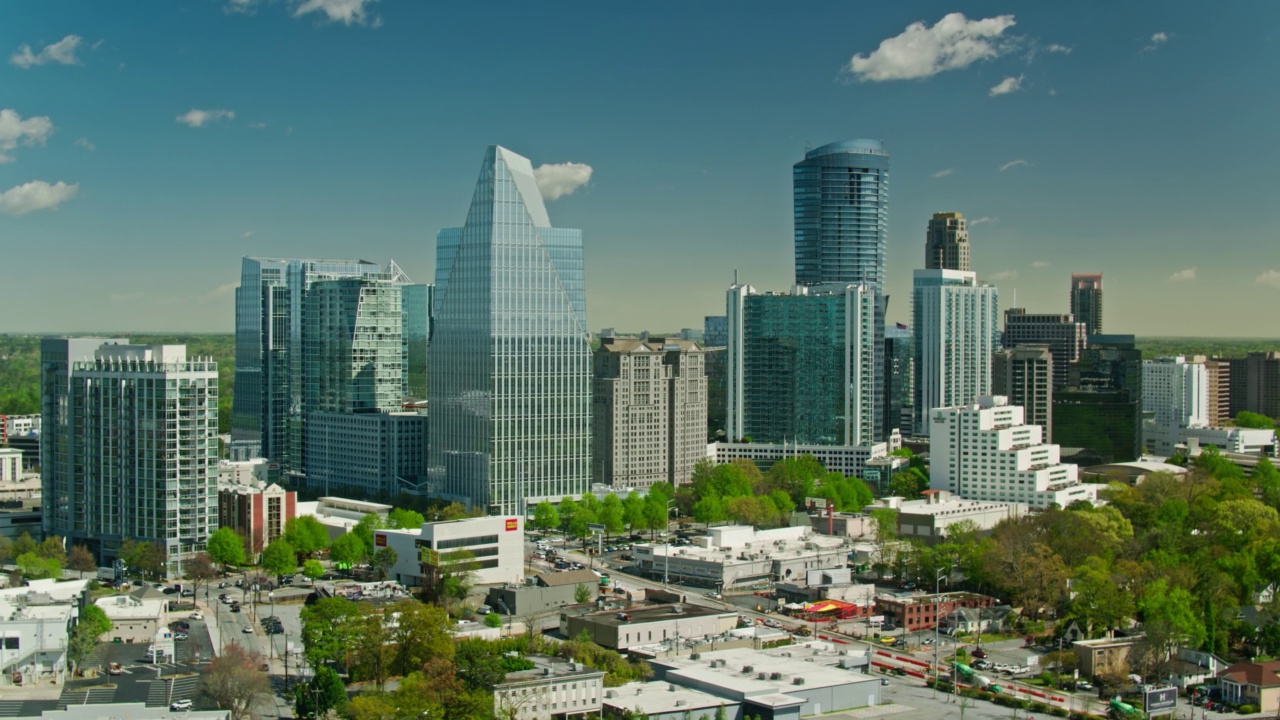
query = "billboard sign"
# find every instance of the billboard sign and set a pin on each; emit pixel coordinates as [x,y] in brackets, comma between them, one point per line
[1162,700]
[595,528]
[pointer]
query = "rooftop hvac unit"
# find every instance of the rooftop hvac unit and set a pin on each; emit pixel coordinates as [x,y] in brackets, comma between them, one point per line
[762,676]
[610,694]
[681,703]
[797,680]
[671,687]
[695,656]
[748,668]
[775,676]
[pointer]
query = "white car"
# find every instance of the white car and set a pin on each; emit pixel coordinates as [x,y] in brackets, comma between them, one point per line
[178,705]
[247,630]
[196,616]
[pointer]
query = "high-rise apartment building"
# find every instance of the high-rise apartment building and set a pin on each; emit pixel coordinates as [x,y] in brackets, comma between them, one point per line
[510,391]
[649,411]
[954,323]
[266,415]
[1086,301]
[801,365]
[1175,395]
[841,216]
[1025,375]
[1064,336]
[1219,404]
[987,451]
[946,245]
[1099,412]
[1255,384]
[897,380]
[715,336]
[715,331]
[416,322]
[131,446]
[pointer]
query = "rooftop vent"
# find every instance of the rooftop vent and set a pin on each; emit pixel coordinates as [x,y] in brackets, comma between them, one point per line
[797,680]
[762,676]
[748,668]
[775,676]
[676,608]
[610,694]
[681,703]
[695,656]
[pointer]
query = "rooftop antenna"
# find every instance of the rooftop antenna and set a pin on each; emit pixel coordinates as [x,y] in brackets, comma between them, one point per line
[735,276]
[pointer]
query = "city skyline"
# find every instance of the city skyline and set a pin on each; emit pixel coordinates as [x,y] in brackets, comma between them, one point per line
[1063,142]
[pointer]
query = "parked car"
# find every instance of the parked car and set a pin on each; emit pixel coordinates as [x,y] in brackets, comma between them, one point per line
[978,653]
[247,630]
[180,705]
[1083,686]
[197,615]
[178,636]
[927,641]
[115,669]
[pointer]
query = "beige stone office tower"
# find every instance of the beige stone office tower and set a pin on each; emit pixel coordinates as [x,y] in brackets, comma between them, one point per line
[1025,375]
[649,411]
[946,245]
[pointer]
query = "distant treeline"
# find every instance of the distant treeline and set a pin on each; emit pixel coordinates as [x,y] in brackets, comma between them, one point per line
[1154,347]
[20,368]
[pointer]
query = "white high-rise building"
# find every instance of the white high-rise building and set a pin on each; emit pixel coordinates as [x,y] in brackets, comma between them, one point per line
[986,451]
[133,446]
[955,319]
[1175,396]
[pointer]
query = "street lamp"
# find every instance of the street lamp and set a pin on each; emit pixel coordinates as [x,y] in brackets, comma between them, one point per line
[666,555]
[937,623]
[271,644]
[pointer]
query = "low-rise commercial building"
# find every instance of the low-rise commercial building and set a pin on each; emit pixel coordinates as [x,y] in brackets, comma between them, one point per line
[10,465]
[19,517]
[787,682]
[1104,654]
[741,556]
[1252,683]
[921,612]
[1246,441]
[35,624]
[339,514]
[553,688]
[645,625]
[844,459]
[132,711]
[666,701]
[135,618]
[494,546]
[541,592]
[929,518]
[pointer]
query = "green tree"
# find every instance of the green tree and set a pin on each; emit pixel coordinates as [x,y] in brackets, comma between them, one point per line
[633,511]
[91,626]
[81,560]
[568,512]
[23,545]
[383,560]
[328,630]
[1101,600]
[581,593]
[545,516]
[147,558]
[307,535]
[493,620]
[323,693]
[52,549]
[1169,617]
[347,548]
[401,518]
[226,547]
[655,511]
[313,570]
[612,515]
[422,632]
[364,530]
[279,558]
[1246,419]
[34,567]
[709,510]
[6,550]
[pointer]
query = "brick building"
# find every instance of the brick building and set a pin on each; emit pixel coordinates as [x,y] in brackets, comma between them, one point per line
[257,514]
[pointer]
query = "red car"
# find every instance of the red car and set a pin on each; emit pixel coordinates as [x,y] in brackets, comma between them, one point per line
[979,653]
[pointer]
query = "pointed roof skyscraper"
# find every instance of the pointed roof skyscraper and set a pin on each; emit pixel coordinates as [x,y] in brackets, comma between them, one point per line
[509,392]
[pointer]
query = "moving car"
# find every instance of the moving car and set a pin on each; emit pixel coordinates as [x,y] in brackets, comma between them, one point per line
[1084,686]
[196,616]
[115,669]
[979,653]
[247,630]
[180,705]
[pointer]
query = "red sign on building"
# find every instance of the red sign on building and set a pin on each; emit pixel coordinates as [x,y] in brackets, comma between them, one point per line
[380,540]
[512,524]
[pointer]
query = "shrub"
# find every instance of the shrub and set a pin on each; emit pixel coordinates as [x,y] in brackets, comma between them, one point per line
[1058,712]
[1248,709]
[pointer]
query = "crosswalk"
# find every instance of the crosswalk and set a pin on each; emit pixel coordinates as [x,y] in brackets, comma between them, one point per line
[86,696]
[10,708]
[159,694]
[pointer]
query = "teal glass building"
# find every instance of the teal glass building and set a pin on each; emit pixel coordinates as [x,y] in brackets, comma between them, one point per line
[510,390]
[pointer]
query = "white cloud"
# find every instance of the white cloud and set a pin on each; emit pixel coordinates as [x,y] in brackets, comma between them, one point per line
[1040,264]
[981,221]
[84,143]
[1183,275]
[1012,164]
[955,42]
[35,195]
[199,118]
[1006,86]
[222,291]
[1056,48]
[558,180]
[1004,275]
[62,52]
[246,234]
[1269,277]
[1156,41]
[257,125]
[245,7]
[14,131]
[943,173]
[347,12]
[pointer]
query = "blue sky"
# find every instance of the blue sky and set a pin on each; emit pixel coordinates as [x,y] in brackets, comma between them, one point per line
[1138,139]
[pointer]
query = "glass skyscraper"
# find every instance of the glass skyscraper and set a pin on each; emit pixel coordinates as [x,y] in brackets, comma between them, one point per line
[799,363]
[841,214]
[510,390]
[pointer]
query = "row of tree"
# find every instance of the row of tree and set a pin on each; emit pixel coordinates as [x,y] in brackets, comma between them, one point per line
[630,514]
[1178,554]
[46,559]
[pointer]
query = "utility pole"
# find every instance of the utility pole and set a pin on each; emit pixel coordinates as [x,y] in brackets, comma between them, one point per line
[666,555]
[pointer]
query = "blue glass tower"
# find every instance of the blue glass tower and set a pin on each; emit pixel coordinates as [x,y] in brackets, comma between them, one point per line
[510,390]
[841,198]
